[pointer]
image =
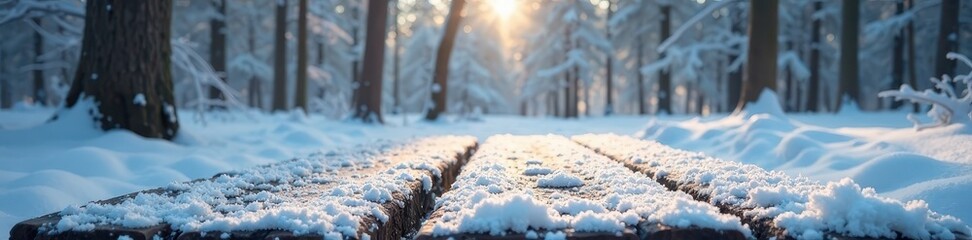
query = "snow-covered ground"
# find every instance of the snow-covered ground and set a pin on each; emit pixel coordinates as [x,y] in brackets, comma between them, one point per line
[46,167]
[877,150]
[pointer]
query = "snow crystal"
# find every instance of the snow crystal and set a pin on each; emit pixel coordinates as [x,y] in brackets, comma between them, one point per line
[559,179]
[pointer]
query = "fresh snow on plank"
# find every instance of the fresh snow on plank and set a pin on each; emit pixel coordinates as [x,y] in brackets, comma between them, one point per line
[498,194]
[330,194]
[804,208]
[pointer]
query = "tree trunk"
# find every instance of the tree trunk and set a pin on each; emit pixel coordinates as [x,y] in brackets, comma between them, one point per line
[300,91]
[356,81]
[947,38]
[912,72]
[813,95]
[790,98]
[609,101]
[254,96]
[217,47]
[664,77]
[567,73]
[849,79]
[5,99]
[575,93]
[40,90]
[897,58]
[374,60]
[396,89]
[761,66]
[734,85]
[639,61]
[124,67]
[442,60]
[280,58]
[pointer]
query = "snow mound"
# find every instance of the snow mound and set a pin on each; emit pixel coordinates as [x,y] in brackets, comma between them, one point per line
[869,155]
[559,179]
[767,103]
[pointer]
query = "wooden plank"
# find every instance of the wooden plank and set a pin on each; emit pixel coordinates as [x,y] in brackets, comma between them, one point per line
[725,184]
[555,173]
[417,171]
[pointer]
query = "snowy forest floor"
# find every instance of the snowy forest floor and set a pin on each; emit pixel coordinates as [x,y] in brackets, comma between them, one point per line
[46,167]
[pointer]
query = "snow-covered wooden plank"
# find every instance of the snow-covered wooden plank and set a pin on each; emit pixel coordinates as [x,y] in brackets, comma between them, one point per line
[380,190]
[549,187]
[775,204]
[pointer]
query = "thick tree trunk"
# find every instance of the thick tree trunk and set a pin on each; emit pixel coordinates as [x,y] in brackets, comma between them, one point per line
[664,77]
[849,78]
[609,101]
[280,58]
[396,89]
[813,95]
[355,79]
[947,38]
[374,60]
[442,61]
[761,66]
[124,67]
[897,58]
[300,91]
[217,47]
[5,99]
[40,90]
[734,86]
[639,61]
[912,72]
[254,95]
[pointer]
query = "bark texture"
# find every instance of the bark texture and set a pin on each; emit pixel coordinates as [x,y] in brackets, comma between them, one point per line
[125,67]
[300,91]
[280,58]
[374,60]
[761,66]
[850,85]
[439,98]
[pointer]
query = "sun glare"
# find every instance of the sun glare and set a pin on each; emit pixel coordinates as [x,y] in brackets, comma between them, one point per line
[503,8]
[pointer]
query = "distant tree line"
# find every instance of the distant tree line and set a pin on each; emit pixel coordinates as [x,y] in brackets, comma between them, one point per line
[563,58]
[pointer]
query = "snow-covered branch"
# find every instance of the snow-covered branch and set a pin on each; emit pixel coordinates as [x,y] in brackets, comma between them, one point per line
[202,76]
[23,9]
[948,105]
[691,22]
